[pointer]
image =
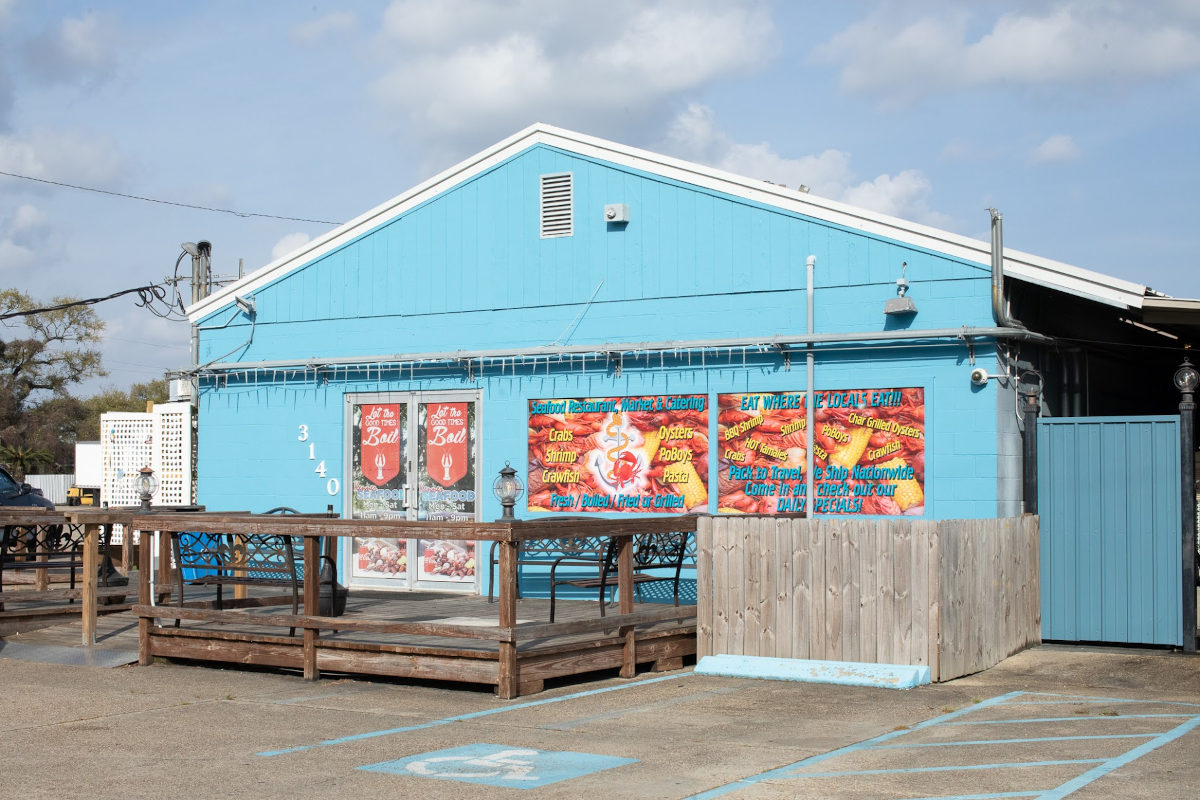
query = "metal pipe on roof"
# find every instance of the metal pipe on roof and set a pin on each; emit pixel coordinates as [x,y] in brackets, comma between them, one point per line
[999,302]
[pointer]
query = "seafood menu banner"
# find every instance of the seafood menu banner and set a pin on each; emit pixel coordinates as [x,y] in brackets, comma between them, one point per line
[647,453]
[868,452]
[761,451]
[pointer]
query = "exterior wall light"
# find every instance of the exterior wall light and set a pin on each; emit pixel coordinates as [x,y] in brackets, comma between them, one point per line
[507,489]
[147,485]
[901,304]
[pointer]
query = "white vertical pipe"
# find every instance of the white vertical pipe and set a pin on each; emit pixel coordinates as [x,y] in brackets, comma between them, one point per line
[809,400]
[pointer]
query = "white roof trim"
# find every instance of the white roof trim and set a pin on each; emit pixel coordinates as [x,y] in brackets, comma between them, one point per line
[1022,266]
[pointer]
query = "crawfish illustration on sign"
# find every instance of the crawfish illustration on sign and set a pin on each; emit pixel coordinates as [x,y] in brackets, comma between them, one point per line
[597,461]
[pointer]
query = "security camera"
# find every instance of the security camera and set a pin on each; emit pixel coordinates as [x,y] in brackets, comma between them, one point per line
[979,376]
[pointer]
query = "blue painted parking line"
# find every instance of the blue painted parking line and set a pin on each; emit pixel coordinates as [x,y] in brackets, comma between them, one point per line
[1077,698]
[1120,761]
[1076,718]
[949,768]
[989,796]
[788,770]
[472,715]
[971,742]
[1102,766]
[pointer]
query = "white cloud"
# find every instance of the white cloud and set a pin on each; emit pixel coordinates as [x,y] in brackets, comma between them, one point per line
[1070,42]
[694,135]
[293,241]
[81,49]
[905,195]
[464,70]
[22,236]
[71,157]
[15,258]
[28,218]
[328,25]
[1055,150]
[447,22]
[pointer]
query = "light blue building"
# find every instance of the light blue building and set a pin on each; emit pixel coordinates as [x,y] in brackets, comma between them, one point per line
[632,332]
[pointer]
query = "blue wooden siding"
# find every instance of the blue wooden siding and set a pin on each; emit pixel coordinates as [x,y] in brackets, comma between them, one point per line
[1109,502]
[468,269]
[250,456]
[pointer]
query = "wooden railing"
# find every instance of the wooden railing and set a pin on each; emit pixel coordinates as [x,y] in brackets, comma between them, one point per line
[506,633]
[63,549]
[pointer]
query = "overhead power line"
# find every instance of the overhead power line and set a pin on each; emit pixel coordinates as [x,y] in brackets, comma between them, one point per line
[166,202]
[147,295]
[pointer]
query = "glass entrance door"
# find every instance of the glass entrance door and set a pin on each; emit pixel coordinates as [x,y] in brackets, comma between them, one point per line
[412,456]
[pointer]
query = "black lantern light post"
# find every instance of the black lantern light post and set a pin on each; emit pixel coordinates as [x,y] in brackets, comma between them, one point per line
[147,485]
[1186,381]
[507,488]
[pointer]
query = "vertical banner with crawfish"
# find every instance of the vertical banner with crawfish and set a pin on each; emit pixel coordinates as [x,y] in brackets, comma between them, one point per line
[868,452]
[446,450]
[646,453]
[761,452]
[378,473]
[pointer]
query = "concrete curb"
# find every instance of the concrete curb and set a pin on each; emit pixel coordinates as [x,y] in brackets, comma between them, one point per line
[845,673]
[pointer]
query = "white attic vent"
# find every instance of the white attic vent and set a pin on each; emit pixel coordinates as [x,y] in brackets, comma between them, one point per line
[556,205]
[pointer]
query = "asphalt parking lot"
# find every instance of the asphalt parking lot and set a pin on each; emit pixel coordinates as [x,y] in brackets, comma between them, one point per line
[1050,722]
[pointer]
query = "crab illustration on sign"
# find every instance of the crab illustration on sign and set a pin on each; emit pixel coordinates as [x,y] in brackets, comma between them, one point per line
[625,468]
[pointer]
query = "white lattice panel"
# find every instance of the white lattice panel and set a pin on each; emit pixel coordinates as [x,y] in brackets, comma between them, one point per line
[126,445]
[161,440]
[172,456]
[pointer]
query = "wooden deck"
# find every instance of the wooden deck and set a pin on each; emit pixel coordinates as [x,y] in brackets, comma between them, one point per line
[449,637]
[541,655]
[409,635]
[509,644]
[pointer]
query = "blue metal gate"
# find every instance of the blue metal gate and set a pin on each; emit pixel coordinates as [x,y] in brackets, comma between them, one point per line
[1108,495]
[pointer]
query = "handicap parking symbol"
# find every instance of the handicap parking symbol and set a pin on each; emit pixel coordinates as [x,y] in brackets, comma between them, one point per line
[500,765]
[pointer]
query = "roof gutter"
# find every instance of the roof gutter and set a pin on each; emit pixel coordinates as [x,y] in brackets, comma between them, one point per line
[781,343]
[999,301]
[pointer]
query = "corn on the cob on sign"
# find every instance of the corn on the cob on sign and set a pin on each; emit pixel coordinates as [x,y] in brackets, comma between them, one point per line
[632,454]
[868,452]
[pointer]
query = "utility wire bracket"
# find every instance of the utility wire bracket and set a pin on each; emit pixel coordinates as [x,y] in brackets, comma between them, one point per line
[786,352]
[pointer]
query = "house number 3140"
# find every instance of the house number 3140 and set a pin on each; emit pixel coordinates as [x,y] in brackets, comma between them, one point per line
[332,486]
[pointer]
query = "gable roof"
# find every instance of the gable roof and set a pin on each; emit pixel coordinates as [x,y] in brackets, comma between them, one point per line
[1023,266]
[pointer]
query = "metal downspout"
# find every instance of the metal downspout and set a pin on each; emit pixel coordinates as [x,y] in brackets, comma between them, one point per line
[810,394]
[1031,397]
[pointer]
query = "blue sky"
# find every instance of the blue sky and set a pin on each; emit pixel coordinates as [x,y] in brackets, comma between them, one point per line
[1078,119]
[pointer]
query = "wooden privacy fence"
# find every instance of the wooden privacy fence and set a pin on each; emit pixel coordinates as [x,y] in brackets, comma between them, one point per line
[957,596]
